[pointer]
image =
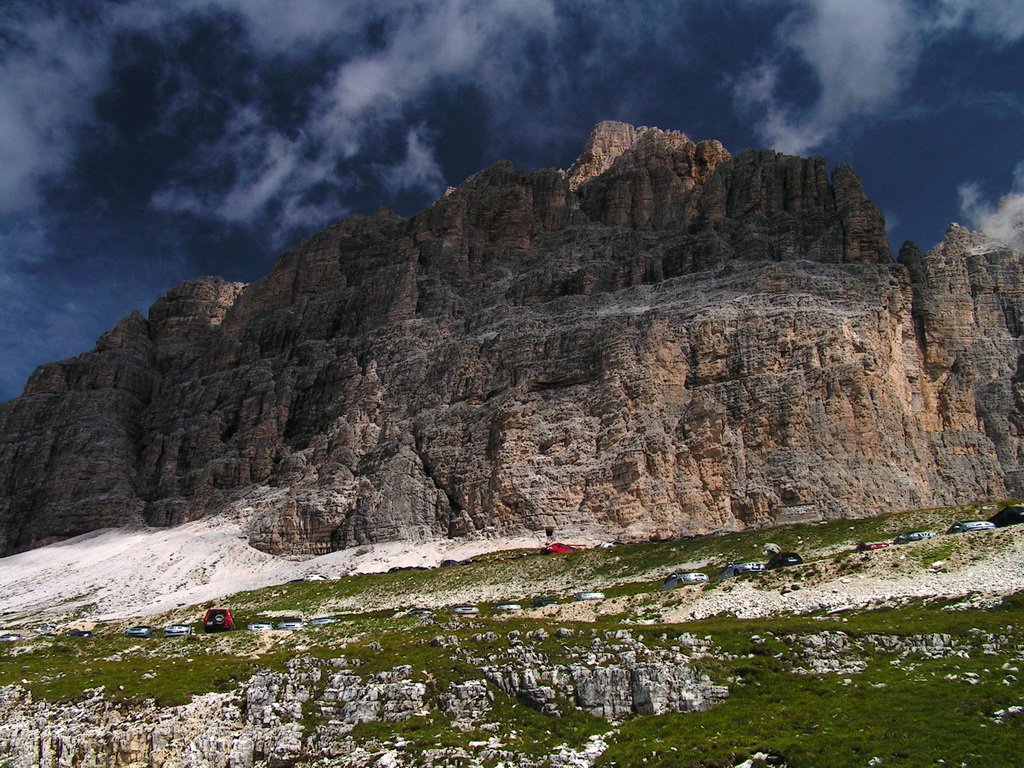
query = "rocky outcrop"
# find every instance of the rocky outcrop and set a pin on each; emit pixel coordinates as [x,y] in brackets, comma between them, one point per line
[664,340]
[309,711]
[618,677]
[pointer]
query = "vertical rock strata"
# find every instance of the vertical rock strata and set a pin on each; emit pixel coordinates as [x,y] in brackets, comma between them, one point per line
[663,340]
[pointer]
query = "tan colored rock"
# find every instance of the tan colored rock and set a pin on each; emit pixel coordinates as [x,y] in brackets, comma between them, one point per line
[607,142]
[664,340]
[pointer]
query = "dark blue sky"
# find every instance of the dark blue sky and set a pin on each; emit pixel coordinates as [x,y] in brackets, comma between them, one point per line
[143,143]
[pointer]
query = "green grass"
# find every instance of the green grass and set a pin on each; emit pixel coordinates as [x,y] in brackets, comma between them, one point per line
[818,720]
[810,720]
[62,672]
[419,733]
[906,714]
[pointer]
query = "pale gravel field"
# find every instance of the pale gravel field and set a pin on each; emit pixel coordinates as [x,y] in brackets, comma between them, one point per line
[121,574]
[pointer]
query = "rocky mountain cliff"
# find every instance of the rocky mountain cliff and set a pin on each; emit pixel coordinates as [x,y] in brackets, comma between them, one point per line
[663,340]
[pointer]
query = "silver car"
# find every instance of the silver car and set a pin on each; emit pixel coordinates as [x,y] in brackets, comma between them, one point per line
[582,596]
[260,626]
[178,630]
[679,579]
[965,526]
[291,624]
[735,569]
[905,538]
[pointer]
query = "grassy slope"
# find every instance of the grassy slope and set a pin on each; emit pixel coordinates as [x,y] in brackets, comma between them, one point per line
[905,710]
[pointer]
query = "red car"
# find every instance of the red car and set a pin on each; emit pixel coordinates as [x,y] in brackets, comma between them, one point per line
[218,620]
[867,546]
[559,549]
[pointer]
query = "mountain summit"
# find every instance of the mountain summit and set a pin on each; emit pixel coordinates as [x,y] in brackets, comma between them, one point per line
[663,340]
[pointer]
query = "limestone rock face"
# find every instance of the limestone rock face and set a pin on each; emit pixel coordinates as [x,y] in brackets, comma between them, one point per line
[663,340]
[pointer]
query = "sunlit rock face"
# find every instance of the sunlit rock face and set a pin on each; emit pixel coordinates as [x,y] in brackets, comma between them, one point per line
[664,340]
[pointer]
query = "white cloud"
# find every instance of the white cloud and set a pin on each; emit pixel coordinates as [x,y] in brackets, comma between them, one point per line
[1003,221]
[50,71]
[1002,20]
[383,61]
[419,168]
[291,28]
[265,165]
[422,46]
[862,56]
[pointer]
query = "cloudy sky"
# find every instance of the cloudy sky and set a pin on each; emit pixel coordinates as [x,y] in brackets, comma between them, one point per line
[145,142]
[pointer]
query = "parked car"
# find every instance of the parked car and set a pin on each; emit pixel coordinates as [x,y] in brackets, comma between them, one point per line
[782,560]
[260,626]
[542,602]
[966,526]
[508,607]
[735,569]
[218,620]
[322,620]
[291,624]
[78,633]
[558,548]
[10,637]
[140,631]
[449,563]
[420,612]
[870,546]
[465,610]
[909,536]
[1008,516]
[581,596]
[178,630]
[680,579]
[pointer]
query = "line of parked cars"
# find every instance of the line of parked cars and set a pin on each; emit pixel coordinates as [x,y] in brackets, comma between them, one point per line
[466,609]
[1007,516]
[221,620]
[1004,517]
[171,630]
[731,569]
[215,620]
[13,637]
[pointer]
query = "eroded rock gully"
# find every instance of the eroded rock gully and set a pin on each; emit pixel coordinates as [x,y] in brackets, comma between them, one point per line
[664,340]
